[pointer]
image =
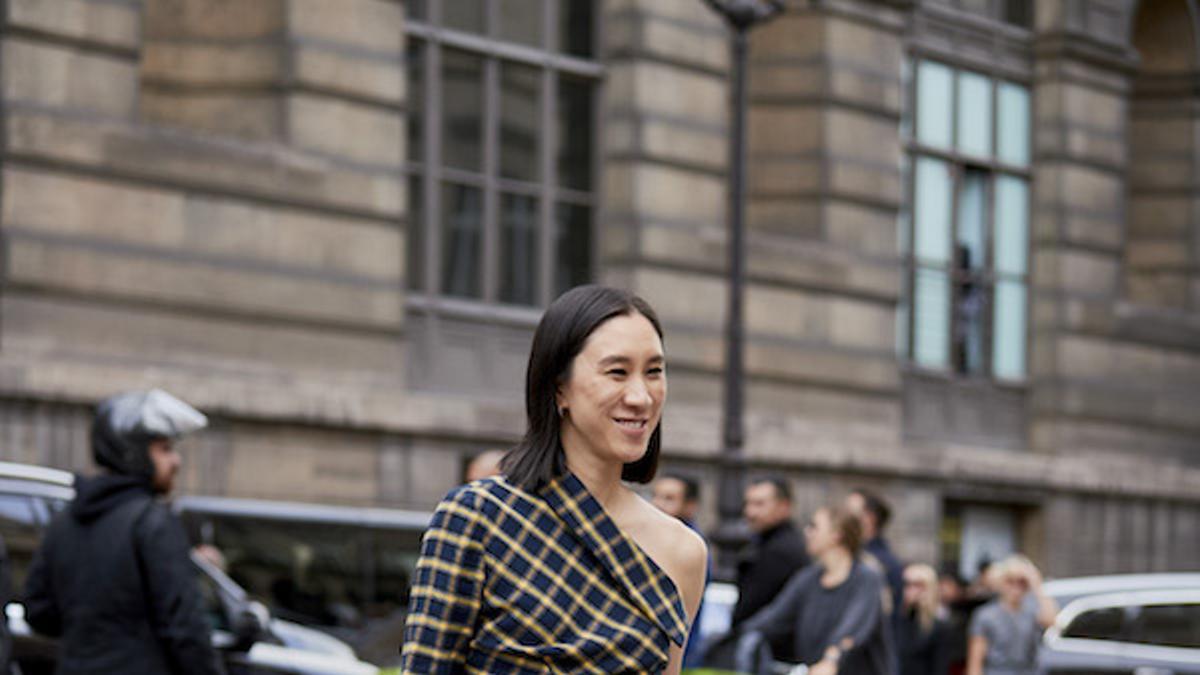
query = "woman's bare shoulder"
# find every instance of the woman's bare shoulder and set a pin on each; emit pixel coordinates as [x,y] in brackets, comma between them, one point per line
[681,548]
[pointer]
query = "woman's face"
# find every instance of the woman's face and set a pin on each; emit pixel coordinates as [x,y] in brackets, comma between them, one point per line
[819,536]
[614,395]
[1013,586]
[915,587]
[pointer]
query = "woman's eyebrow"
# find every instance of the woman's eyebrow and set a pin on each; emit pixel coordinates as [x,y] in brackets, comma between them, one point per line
[622,359]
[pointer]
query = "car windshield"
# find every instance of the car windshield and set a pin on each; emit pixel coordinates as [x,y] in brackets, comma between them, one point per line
[21,519]
[350,581]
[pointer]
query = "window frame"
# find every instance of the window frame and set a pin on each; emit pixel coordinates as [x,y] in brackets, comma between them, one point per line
[959,163]
[426,169]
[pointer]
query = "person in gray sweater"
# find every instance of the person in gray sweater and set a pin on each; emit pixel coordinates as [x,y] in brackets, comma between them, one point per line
[833,609]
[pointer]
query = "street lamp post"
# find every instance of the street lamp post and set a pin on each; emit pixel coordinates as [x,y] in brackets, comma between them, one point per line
[741,16]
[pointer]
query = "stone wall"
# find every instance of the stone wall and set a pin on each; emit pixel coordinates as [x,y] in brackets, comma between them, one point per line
[209,196]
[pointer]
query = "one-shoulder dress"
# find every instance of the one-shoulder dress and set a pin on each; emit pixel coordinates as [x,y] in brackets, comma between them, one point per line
[511,581]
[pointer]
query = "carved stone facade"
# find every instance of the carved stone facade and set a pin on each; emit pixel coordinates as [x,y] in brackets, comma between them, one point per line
[211,196]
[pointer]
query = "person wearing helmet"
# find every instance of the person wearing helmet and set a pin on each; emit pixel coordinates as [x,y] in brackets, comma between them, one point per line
[112,578]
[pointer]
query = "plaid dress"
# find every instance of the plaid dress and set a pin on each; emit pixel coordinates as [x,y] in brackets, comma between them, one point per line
[514,582]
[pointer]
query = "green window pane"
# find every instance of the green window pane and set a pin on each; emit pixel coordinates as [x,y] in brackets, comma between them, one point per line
[974,114]
[971,251]
[935,83]
[521,21]
[415,243]
[1012,225]
[462,110]
[576,19]
[931,211]
[573,236]
[518,249]
[462,241]
[1008,331]
[520,121]
[1012,132]
[931,318]
[465,15]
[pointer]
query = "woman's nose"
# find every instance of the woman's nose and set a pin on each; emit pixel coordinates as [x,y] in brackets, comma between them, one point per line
[637,394]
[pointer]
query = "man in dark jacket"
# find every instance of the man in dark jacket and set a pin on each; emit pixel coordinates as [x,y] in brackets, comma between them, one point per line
[874,513]
[776,553]
[113,579]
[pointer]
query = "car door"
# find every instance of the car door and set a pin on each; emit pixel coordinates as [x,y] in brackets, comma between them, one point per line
[1164,639]
[23,519]
[1092,641]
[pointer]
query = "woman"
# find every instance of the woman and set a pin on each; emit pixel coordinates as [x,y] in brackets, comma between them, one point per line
[1004,633]
[556,566]
[834,607]
[922,636]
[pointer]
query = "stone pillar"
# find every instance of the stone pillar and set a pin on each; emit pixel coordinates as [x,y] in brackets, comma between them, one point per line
[1079,209]
[664,155]
[824,190]
[323,77]
[165,244]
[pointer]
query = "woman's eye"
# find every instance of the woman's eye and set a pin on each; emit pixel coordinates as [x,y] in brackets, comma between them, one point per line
[617,371]
[655,371]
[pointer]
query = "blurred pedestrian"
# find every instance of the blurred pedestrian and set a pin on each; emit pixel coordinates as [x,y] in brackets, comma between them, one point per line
[112,578]
[776,552]
[922,636]
[483,465]
[678,495]
[1005,633]
[875,514]
[957,609]
[833,609]
[556,565]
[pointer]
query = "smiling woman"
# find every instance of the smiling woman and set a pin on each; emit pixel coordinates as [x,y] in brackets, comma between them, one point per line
[556,566]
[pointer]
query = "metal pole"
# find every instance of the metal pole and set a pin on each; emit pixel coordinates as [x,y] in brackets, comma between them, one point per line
[730,537]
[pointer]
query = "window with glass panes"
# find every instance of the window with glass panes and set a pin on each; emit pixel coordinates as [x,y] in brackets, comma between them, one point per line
[969,175]
[500,145]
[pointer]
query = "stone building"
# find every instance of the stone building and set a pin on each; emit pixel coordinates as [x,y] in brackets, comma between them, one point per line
[974,245]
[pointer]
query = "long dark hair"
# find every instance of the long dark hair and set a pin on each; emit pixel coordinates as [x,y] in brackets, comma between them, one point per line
[566,325]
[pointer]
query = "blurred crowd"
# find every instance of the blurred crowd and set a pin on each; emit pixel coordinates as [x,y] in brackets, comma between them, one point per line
[832,595]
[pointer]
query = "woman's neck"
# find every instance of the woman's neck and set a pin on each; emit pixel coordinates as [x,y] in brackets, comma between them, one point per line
[602,479]
[837,562]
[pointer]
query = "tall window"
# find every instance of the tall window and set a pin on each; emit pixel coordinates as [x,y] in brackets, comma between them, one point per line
[968,243]
[501,128]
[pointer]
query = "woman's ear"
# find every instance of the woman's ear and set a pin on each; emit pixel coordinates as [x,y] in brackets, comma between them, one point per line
[560,398]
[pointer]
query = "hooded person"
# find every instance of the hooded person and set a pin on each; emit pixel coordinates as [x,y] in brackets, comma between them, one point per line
[113,579]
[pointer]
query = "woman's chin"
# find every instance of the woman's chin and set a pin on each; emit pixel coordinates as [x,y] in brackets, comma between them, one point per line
[629,453]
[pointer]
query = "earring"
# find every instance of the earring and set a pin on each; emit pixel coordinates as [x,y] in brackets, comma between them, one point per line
[562,410]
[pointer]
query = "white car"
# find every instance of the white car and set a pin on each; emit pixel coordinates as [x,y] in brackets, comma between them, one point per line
[1147,624]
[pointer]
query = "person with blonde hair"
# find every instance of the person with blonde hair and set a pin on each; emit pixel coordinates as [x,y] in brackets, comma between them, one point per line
[1004,633]
[922,639]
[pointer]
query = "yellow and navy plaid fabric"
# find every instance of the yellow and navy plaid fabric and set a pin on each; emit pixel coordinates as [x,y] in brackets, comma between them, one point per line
[514,582]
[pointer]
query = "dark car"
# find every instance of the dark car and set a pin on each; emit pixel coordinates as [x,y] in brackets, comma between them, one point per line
[342,570]
[250,640]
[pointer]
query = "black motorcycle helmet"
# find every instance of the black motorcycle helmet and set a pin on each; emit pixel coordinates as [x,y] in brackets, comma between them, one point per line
[127,423]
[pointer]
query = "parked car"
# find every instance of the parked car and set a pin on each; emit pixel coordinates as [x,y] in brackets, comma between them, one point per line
[342,570]
[251,641]
[1146,624]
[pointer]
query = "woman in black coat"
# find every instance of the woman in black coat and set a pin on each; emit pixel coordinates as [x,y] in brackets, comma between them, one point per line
[922,635]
